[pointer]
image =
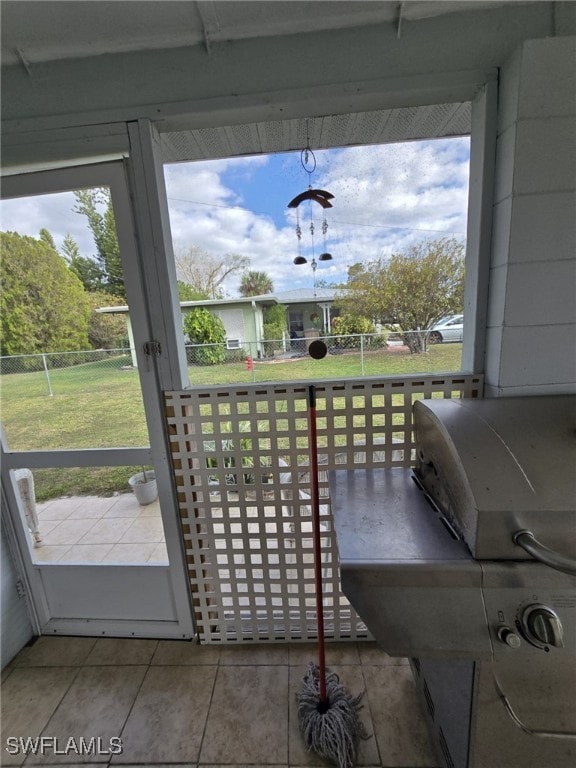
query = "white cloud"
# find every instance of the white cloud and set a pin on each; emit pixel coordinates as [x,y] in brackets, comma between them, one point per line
[216,222]
[28,215]
[385,199]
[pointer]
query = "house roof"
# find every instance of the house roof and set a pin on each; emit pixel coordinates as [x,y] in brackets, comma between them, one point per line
[123,309]
[306,296]
[295,296]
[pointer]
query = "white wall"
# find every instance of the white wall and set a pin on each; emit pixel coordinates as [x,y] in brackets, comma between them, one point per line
[15,623]
[531,334]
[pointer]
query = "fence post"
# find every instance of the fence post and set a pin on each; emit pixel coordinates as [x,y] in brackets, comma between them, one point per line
[50,393]
[254,354]
[361,354]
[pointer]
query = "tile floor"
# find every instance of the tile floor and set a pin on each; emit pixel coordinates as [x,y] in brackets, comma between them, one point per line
[91,529]
[176,702]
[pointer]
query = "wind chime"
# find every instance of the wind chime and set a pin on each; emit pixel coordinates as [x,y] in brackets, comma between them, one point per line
[320,196]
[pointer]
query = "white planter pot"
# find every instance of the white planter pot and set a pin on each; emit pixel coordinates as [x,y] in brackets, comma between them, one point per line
[146,491]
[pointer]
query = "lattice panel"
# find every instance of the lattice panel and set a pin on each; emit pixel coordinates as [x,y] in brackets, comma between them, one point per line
[241,458]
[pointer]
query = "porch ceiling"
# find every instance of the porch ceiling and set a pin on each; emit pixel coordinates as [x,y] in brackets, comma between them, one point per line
[46,30]
[361,128]
[36,32]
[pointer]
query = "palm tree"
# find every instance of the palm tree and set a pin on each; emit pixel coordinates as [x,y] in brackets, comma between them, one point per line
[255,284]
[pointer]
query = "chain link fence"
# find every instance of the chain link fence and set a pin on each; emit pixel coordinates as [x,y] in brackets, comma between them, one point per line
[52,373]
[288,359]
[45,373]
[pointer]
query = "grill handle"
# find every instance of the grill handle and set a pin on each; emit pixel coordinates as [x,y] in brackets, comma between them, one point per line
[543,554]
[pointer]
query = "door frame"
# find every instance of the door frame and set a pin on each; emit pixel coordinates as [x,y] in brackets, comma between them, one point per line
[60,594]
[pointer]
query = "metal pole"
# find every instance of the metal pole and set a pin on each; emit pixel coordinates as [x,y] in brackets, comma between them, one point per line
[362,354]
[51,394]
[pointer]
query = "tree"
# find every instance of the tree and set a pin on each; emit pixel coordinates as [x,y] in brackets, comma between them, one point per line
[106,330]
[205,272]
[96,205]
[70,250]
[204,328]
[255,284]
[412,289]
[187,293]
[348,325]
[43,306]
[47,238]
[275,321]
[86,270]
[89,274]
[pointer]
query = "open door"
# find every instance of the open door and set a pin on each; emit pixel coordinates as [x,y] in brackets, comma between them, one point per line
[82,425]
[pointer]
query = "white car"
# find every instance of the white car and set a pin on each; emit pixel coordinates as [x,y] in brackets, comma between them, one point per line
[448,329]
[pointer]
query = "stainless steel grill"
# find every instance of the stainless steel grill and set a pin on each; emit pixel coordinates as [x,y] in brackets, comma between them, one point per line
[467,565]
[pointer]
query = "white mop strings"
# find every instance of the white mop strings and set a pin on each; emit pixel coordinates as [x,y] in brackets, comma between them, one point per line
[332,732]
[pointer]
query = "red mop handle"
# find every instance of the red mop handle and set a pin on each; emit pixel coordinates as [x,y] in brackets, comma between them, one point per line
[316,529]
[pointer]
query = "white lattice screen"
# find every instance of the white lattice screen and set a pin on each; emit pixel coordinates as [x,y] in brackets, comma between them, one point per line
[240,457]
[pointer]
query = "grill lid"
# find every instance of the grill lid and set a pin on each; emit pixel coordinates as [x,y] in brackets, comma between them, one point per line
[500,465]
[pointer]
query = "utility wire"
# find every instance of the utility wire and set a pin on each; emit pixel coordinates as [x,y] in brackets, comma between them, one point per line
[332,219]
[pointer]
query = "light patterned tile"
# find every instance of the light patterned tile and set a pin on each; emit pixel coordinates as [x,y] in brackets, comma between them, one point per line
[144,530]
[108,531]
[53,511]
[168,717]
[93,506]
[159,554]
[68,532]
[7,671]
[253,704]
[49,554]
[399,724]
[97,704]
[45,526]
[185,652]
[255,654]
[29,699]
[121,651]
[55,652]
[150,510]
[125,505]
[335,653]
[86,553]
[372,655]
[134,554]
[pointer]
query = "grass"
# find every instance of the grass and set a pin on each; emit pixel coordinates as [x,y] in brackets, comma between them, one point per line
[389,362]
[99,405]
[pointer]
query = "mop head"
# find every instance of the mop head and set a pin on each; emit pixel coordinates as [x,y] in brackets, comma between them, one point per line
[331,730]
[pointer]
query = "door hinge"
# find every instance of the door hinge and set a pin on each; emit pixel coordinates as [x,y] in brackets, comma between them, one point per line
[152,348]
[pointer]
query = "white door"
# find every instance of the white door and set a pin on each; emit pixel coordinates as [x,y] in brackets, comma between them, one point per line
[78,423]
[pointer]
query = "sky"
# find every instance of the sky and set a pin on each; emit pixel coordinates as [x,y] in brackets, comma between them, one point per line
[386,198]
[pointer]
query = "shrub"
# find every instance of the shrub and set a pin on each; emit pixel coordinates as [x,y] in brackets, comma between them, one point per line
[204,328]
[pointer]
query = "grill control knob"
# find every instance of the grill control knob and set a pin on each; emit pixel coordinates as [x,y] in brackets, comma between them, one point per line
[508,636]
[542,626]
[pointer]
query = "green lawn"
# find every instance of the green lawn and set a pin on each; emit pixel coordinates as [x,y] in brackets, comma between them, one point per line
[99,405]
